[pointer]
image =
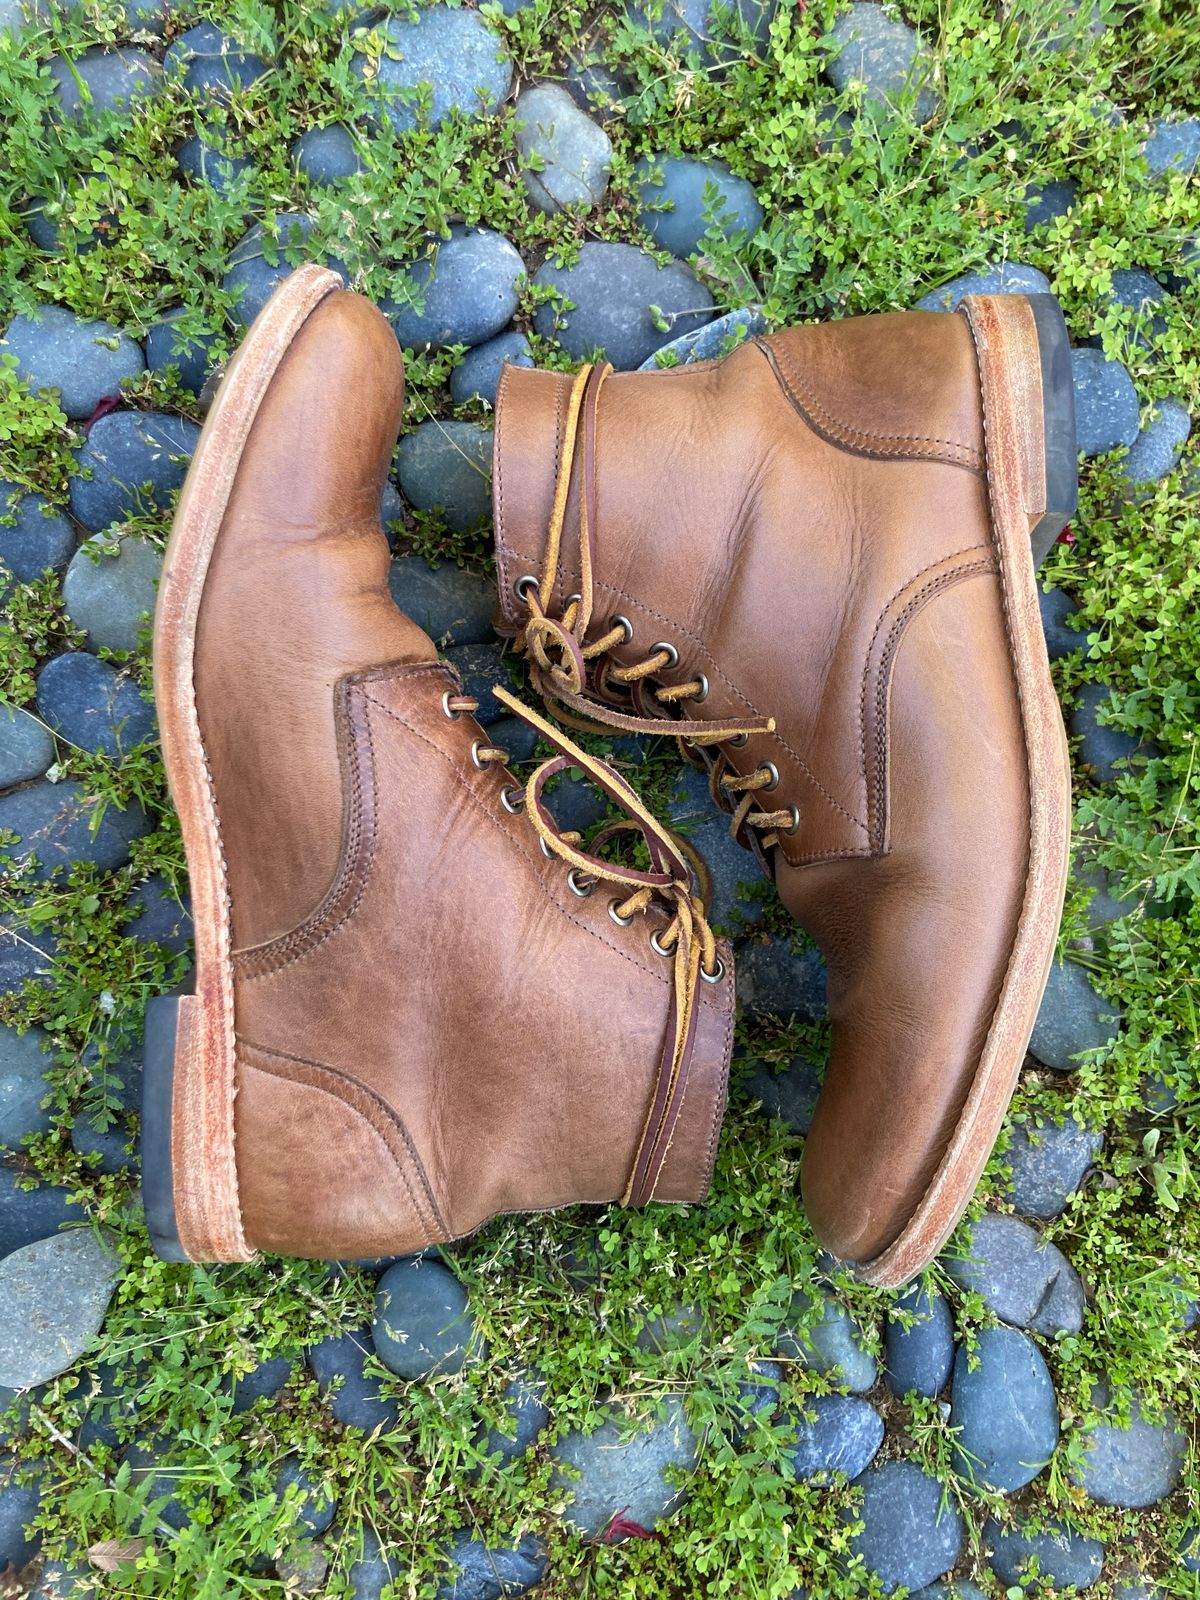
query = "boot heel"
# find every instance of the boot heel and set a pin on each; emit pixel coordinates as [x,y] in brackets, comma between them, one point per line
[158,1084]
[1029,404]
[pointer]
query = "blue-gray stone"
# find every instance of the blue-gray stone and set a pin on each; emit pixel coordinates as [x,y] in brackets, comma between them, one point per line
[1106,403]
[823,1337]
[52,821]
[104,1142]
[315,1506]
[50,232]
[879,56]
[919,1356]
[447,466]
[53,1296]
[482,667]
[137,461]
[611,289]
[355,1397]
[213,65]
[442,61]
[86,361]
[737,879]
[375,1568]
[265,256]
[160,916]
[1173,147]
[1047,202]
[622,1475]
[594,85]
[303,1567]
[565,156]
[781,982]
[37,539]
[19,1504]
[716,31]
[1134,290]
[515,736]
[1188,1546]
[1007,277]
[59,1580]
[1048,1165]
[108,1400]
[160,1458]
[212,164]
[328,155]
[27,1215]
[790,1095]
[1023,1279]
[912,1531]
[17,15]
[453,605]
[422,1324]
[674,1329]
[1057,607]
[26,954]
[575,803]
[684,198]
[100,81]
[525,1414]
[262,1382]
[23,1063]
[91,706]
[709,343]
[191,355]
[477,375]
[1111,899]
[479,1571]
[109,591]
[26,747]
[1065,1558]
[1072,1018]
[1003,1411]
[757,1398]
[462,292]
[836,1434]
[1158,447]
[1102,745]
[1132,1467]
[951,1590]
[1061,29]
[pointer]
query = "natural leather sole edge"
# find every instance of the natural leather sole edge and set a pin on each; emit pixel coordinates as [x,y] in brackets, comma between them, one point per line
[1029,428]
[188,1154]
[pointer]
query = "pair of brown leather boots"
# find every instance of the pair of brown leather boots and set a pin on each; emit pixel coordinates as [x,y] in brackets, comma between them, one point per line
[417,1002]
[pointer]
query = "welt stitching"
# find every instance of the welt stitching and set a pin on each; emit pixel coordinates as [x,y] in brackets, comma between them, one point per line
[277,1066]
[807,402]
[927,592]
[671,622]
[501,829]
[266,960]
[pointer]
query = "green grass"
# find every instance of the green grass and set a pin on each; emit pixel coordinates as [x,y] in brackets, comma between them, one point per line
[868,230]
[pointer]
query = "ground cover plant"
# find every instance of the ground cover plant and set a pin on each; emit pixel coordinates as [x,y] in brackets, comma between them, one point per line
[1023,1421]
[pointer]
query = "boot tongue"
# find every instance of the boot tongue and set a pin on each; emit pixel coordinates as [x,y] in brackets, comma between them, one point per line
[531,414]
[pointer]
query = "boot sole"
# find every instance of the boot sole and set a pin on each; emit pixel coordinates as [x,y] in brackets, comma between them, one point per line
[1029,425]
[189,1172]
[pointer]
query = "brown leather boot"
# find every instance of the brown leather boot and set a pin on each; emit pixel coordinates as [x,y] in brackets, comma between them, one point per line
[411,1010]
[812,559]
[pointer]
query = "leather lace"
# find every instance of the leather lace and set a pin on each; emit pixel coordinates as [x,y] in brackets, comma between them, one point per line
[578,678]
[677,880]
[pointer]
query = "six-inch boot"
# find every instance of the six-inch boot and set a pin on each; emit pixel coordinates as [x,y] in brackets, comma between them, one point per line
[812,559]
[416,1004]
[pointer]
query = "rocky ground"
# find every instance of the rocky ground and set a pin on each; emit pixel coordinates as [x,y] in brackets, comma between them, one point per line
[664,1404]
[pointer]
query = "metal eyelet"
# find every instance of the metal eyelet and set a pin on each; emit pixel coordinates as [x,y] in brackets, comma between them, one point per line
[453,715]
[658,948]
[512,797]
[795,822]
[546,850]
[622,622]
[476,747]
[572,600]
[580,883]
[672,654]
[738,740]
[621,922]
[773,771]
[523,586]
[713,977]
[702,680]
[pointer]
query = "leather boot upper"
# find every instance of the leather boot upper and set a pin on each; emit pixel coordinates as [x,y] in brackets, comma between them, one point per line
[431,1026]
[806,523]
